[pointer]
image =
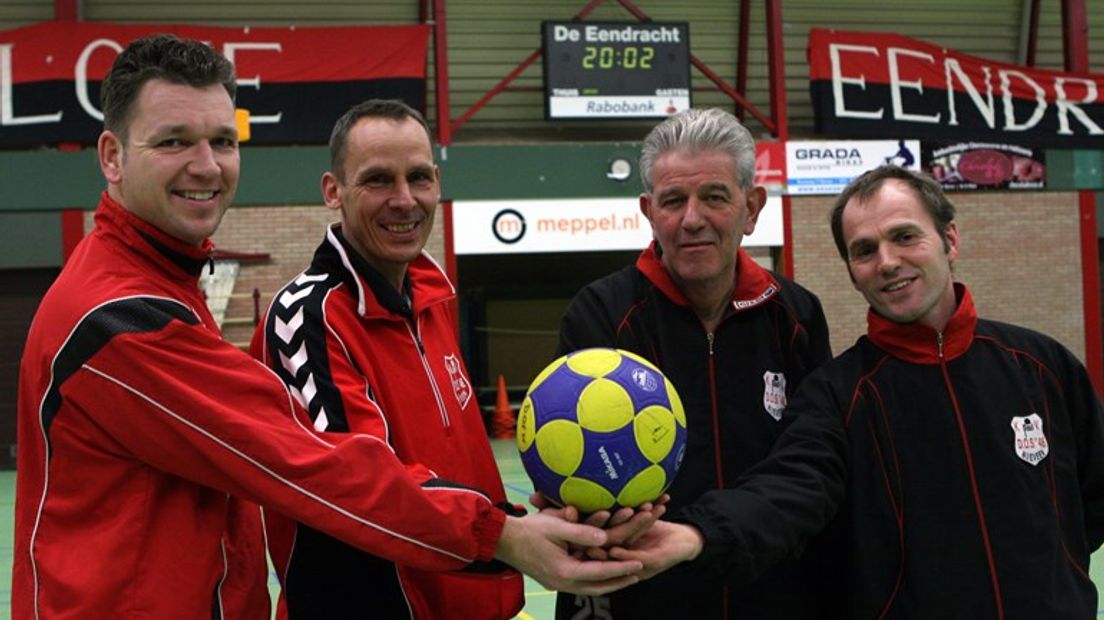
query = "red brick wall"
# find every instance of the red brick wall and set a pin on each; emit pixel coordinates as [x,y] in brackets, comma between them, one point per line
[1020,256]
[289,235]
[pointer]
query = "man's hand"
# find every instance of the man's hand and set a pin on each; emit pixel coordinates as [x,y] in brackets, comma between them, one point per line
[662,546]
[629,524]
[623,527]
[537,545]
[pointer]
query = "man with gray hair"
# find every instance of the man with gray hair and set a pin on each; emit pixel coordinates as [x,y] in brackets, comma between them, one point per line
[734,338]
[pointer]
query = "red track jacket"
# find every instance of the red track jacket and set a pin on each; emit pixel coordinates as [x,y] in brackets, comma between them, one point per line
[363,358]
[138,425]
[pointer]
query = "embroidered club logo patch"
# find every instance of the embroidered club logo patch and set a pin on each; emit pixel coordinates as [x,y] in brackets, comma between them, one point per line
[1030,442]
[774,393]
[461,387]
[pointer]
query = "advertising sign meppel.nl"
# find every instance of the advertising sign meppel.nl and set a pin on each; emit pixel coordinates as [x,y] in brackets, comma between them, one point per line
[576,225]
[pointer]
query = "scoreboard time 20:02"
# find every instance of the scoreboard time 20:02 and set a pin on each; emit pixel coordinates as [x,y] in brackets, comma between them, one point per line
[609,57]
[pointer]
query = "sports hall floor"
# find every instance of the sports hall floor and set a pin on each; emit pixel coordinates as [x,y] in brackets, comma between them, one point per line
[539,602]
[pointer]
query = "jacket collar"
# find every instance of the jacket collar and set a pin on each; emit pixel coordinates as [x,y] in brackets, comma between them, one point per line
[919,344]
[425,283]
[176,256]
[754,284]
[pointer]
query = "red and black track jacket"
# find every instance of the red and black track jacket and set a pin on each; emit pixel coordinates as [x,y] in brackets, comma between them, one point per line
[362,357]
[967,467]
[734,384]
[139,425]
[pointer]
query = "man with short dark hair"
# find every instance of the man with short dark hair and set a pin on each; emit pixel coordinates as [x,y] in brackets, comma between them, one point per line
[139,427]
[365,337]
[958,463]
[734,339]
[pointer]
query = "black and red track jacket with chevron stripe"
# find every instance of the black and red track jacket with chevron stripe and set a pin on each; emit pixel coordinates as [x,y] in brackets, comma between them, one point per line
[139,425]
[733,384]
[361,357]
[967,467]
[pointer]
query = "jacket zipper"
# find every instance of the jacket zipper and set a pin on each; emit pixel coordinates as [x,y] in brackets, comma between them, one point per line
[710,337]
[982,525]
[415,334]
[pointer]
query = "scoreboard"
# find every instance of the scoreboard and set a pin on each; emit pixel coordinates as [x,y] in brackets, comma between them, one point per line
[615,69]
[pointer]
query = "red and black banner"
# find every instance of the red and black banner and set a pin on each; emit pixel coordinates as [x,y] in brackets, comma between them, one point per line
[295,82]
[867,84]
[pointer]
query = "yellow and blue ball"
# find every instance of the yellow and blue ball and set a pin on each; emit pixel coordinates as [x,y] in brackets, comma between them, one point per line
[600,429]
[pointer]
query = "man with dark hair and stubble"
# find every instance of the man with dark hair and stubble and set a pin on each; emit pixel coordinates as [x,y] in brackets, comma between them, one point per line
[143,436]
[957,463]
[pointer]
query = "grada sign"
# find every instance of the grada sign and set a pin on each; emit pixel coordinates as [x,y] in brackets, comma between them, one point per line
[294,81]
[886,85]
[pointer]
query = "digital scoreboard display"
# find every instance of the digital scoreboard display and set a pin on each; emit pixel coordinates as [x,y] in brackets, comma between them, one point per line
[615,69]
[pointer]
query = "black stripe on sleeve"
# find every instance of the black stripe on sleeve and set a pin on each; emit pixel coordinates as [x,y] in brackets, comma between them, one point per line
[95,330]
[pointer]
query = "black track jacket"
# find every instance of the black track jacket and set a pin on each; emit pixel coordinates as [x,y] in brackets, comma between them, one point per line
[734,384]
[967,467]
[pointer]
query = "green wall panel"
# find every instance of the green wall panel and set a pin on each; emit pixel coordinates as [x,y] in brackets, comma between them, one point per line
[290,175]
[1075,169]
[1088,169]
[51,180]
[486,172]
[281,175]
[1100,217]
[30,240]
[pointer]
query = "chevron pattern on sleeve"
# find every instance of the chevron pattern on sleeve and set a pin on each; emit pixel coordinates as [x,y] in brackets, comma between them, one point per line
[296,334]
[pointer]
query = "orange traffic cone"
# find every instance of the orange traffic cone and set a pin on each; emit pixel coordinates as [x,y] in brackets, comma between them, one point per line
[502,422]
